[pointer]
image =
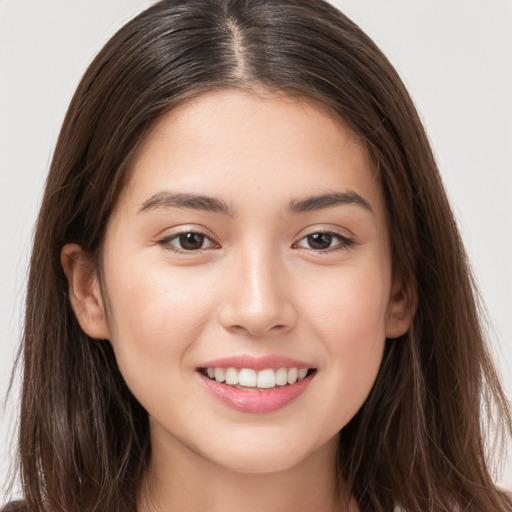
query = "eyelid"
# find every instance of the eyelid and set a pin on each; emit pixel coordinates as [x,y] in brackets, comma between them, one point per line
[181,230]
[346,241]
[320,227]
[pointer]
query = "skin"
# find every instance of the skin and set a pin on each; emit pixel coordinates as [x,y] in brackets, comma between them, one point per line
[256,286]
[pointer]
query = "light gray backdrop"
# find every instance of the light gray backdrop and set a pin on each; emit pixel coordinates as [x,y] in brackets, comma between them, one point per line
[455,56]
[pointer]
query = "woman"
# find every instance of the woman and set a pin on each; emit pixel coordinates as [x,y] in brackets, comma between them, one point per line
[247,289]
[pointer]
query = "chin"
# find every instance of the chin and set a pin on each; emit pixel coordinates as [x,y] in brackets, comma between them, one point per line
[270,455]
[260,463]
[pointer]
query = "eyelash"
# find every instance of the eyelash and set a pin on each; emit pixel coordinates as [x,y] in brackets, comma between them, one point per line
[344,242]
[167,241]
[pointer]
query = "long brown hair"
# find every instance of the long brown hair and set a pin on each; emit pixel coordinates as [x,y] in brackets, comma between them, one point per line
[418,441]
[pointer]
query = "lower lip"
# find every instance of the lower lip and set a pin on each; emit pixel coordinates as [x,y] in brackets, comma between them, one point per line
[256,400]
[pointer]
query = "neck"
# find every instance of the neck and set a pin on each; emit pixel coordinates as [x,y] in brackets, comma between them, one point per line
[179,479]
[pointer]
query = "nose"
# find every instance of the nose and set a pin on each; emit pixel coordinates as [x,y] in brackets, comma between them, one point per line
[259,300]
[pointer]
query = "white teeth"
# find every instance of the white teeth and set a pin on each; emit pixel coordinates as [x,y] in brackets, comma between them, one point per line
[266,379]
[247,377]
[263,379]
[231,376]
[281,377]
[292,375]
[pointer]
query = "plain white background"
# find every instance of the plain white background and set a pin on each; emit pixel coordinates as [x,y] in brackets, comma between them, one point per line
[455,57]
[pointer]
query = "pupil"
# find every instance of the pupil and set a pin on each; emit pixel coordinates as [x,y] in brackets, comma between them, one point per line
[320,240]
[191,241]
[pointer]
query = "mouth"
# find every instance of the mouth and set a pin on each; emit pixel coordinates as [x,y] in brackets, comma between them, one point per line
[249,378]
[256,384]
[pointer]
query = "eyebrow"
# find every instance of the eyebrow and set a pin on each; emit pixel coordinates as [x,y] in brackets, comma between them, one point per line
[328,200]
[215,205]
[188,201]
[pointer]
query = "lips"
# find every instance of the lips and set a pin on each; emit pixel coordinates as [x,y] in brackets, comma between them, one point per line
[256,385]
[256,363]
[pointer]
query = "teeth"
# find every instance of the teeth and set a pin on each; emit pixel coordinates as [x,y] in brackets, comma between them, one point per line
[231,376]
[247,377]
[219,375]
[292,375]
[281,377]
[266,379]
[263,379]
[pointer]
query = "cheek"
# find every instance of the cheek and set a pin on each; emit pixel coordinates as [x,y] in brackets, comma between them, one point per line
[350,307]
[155,316]
[349,315]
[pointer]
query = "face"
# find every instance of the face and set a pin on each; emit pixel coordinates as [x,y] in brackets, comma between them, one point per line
[251,235]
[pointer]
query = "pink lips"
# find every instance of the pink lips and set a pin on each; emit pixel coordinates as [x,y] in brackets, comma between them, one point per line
[256,363]
[256,400]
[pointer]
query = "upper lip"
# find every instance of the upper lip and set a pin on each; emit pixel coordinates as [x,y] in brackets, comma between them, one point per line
[256,363]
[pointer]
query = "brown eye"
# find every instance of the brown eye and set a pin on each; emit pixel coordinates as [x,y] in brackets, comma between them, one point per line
[191,241]
[320,240]
[188,241]
[325,241]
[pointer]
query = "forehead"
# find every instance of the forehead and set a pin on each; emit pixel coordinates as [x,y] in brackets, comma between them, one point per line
[235,144]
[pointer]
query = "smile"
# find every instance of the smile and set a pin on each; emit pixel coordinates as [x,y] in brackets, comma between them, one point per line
[256,384]
[267,378]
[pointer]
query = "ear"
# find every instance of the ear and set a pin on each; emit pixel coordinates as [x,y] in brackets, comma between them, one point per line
[85,291]
[401,308]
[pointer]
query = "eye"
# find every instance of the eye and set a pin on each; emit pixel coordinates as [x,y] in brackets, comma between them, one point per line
[189,241]
[324,241]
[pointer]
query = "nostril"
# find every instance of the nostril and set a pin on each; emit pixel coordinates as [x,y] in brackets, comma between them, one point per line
[256,330]
[266,319]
